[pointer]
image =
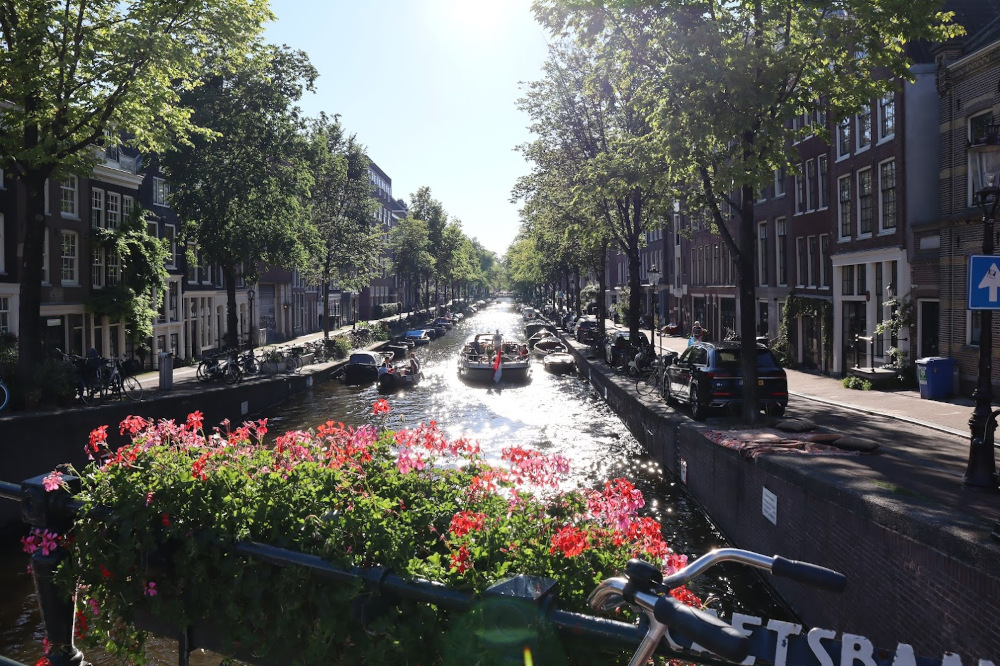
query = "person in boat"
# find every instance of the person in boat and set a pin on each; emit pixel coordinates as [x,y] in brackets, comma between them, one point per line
[497,341]
[476,349]
[522,351]
[414,365]
[384,369]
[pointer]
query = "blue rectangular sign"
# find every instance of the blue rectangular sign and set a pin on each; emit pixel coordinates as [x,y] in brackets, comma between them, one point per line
[984,282]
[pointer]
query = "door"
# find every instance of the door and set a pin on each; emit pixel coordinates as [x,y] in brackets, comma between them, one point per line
[854,324]
[930,312]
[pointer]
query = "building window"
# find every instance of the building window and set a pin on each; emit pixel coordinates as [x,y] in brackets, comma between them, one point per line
[97,268]
[824,257]
[813,262]
[865,127]
[170,234]
[97,208]
[67,197]
[862,271]
[978,133]
[781,250]
[762,254]
[800,190]
[114,269]
[45,258]
[887,194]
[844,201]
[800,261]
[865,202]
[779,182]
[5,315]
[823,197]
[847,281]
[810,177]
[114,210]
[128,205]
[69,258]
[160,192]
[844,138]
[887,116]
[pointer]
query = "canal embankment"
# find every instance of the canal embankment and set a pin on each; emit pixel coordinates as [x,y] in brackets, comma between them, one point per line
[922,567]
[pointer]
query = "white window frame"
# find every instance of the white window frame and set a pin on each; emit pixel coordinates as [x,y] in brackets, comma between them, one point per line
[841,211]
[170,233]
[69,197]
[970,195]
[822,178]
[812,281]
[128,205]
[97,208]
[45,258]
[762,253]
[888,101]
[161,190]
[864,134]
[809,173]
[844,141]
[871,200]
[781,258]
[800,249]
[779,183]
[113,210]
[824,255]
[97,267]
[800,201]
[5,315]
[114,268]
[882,228]
[69,264]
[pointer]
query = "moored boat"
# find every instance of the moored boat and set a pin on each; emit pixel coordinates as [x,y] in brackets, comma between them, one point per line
[362,367]
[549,346]
[477,361]
[418,336]
[559,362]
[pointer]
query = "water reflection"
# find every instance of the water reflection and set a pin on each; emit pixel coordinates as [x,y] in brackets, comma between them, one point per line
[558,414]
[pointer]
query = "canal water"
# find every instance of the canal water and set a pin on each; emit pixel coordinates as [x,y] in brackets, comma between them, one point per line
[557,414]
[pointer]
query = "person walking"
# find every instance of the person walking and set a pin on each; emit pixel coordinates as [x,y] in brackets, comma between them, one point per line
[697,332]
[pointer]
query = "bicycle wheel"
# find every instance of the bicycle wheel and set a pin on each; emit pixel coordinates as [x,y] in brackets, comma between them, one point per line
[645,384]
[132,388]
[4,396]
[203,373]
[292,364]
[231,373]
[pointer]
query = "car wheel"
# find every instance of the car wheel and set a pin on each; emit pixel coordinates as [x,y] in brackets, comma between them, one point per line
[699,412]
[776,410]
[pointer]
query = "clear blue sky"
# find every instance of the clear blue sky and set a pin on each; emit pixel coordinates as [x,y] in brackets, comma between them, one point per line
[430,88]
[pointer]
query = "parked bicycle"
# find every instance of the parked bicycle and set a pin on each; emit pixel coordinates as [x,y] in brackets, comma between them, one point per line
[224,366]
[4,395]
[644,588]
[119,382]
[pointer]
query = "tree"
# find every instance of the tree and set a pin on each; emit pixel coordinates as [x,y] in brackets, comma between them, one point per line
[425,207]
[409,243]
[346,245]
[240,190]
[70,71]
[724,82]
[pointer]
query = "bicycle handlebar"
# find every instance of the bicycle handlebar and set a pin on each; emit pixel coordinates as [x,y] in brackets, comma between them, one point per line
[645,587]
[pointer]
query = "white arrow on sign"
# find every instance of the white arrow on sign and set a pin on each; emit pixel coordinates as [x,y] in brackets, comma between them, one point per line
[991,281]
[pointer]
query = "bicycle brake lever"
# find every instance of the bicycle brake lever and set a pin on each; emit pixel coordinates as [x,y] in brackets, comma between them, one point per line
[608,595]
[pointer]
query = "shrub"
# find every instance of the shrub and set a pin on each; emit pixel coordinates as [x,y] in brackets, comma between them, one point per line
[56,380]
[339,346]
[408,500]
[386,310]
[857,383]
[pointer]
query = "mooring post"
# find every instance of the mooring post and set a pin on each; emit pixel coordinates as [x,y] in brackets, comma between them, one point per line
[50,511]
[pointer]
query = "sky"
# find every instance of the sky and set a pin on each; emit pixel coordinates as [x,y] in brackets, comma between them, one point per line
[430,88]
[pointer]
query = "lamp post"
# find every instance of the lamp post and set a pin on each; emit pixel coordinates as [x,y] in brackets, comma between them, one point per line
[981,471]
[250,295]
[653,274]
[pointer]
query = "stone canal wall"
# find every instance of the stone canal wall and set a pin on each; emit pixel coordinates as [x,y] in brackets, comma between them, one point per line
[916,576]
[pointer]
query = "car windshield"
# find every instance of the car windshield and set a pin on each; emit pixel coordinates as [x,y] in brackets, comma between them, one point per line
[362,358]
[730,358]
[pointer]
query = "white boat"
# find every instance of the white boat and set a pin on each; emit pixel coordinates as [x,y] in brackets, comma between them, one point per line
[477,360]
[559,362]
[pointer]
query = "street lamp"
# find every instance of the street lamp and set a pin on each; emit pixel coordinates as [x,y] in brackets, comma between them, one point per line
[250,295]
[981,471]
[654,275]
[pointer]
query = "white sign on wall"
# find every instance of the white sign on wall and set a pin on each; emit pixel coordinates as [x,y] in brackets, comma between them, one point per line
[769,506]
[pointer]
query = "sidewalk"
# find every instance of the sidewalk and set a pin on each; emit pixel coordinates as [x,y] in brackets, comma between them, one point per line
[923,444]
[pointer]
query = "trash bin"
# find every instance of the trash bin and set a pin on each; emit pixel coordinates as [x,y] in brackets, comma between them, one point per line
[166,371]
[935,376]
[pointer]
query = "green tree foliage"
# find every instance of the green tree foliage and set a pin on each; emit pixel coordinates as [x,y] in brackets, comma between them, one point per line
[240,189]
[409,244]
[722,83]
[345,245]
[69,71]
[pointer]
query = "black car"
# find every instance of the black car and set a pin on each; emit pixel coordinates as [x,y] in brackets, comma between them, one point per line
[708,376]
[619,348]
[586,330]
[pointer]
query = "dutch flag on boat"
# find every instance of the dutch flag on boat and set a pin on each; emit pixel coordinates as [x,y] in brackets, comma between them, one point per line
[497,367]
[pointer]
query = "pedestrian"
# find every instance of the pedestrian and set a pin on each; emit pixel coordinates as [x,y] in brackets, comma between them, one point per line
[498,340]
[697,332]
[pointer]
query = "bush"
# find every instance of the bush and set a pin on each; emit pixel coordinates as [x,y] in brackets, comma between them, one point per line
[8,357]
[56,380]
[339,346]
[387,310]
[857,383]
[409,500]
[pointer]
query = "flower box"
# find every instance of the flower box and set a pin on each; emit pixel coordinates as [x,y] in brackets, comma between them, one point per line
[272,367]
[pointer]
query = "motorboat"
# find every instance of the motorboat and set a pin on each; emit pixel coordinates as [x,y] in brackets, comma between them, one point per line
[548,346]
[541,335]
[559,362]
[418,336]
[396,380]
[477,361]
[399,351]
[532,328]
[362,367]
[443,321]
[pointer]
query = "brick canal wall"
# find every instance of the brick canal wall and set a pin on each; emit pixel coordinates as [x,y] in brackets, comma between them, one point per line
[916,576]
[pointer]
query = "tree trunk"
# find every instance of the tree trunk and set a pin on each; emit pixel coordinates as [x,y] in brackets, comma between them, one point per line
[326,308]
[29,327]
[232,321]
[634,292]
[748,309]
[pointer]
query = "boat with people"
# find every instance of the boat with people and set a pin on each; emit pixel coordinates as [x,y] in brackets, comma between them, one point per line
[396,379]
[362,367]
[480,360]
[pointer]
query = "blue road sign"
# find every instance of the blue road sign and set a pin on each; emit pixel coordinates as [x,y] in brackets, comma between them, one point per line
[984,282]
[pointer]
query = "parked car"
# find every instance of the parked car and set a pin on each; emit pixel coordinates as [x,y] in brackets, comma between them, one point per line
[586,329]
[708,376]
[619,348]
